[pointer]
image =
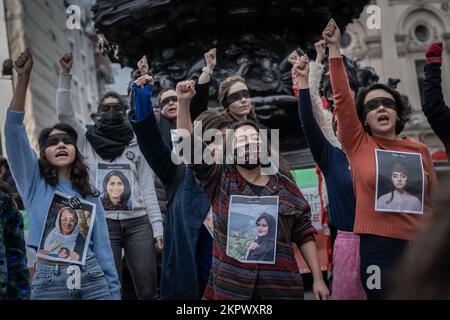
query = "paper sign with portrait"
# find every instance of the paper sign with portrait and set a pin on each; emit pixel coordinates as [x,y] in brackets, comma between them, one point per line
[67,230]
[400,182]
[115,183]
[252,229]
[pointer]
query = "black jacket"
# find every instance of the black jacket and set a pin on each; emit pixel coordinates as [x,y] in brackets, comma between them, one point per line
[434,107]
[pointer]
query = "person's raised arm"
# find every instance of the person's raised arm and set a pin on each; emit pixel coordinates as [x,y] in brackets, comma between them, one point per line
[23,161]
[155,150]
[323,117]
[200,101]
[191,145]
[185,92]
[314,135]
[434,107]
[23,66]
[350,129]
[64,107]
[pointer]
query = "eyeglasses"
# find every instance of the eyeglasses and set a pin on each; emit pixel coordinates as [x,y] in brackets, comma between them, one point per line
[377,102]
[167,100]
[237,96]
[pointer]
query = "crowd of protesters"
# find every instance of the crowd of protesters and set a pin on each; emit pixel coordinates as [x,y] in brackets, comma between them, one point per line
[132,185]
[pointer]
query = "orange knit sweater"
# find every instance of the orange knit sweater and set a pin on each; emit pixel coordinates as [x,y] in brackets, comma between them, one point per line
[360,149]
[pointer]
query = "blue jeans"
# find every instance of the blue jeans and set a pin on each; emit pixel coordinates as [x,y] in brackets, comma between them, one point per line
[50,282]
[135,236]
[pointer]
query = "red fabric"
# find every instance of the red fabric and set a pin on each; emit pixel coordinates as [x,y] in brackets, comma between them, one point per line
[325,103]
[434,53]
[439,156]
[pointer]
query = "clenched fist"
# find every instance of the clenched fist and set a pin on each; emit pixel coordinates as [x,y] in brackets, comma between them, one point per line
[66,62]
[186,90]
[24,63]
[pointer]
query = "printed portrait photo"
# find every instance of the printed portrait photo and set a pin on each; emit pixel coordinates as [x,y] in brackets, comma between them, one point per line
[252,229]
[400,182]
[67,230]
[115,183]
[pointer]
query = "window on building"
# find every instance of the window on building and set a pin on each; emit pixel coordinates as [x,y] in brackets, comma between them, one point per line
[420,64]
[422,33]
[346,40]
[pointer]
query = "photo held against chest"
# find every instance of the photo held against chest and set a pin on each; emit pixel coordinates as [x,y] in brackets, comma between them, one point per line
[60,168]
[246,154]
[242,174]
[372,123]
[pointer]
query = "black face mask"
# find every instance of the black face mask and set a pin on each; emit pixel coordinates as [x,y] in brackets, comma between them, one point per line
[111,117]
[249,155]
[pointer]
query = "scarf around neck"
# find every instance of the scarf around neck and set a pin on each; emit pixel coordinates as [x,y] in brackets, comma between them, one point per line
[109,141]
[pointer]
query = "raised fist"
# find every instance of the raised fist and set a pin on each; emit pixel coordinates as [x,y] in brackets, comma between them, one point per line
[66,62]
[332,34]
[142,80]
[186,90]
[320,50]
[211,58]
[24,63]
[301,69]
[294,58]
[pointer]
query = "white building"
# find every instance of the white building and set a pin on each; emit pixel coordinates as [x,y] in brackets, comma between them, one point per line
[408,27]
[42,26]
[6,85]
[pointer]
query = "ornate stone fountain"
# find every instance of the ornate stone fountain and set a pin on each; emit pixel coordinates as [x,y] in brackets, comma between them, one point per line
[253,39]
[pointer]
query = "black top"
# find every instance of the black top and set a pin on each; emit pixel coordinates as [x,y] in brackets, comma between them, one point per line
[258,190]
[434,107]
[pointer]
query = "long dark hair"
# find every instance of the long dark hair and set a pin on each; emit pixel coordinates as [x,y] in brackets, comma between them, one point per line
[402,104]
[125,196]
[271,223]
[284,167]
[79,174]
[424,271]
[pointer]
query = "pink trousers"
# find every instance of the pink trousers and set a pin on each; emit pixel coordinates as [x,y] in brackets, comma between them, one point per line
[346,264]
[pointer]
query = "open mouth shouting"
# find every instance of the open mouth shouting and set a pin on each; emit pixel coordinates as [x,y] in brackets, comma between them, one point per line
[383,119]
[61,154]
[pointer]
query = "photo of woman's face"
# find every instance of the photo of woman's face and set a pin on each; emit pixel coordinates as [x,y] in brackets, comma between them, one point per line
[399,180]
[68,222]
[262,228]
[115,188]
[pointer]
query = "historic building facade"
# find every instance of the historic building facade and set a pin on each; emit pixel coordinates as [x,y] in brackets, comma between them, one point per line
[396,50]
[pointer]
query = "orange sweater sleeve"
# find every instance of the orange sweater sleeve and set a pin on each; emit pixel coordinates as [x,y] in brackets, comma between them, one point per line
[350,131]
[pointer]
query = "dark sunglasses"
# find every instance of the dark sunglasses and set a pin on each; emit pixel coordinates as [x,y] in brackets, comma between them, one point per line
[377,102]
[53,140]
[167,100]
[105,107]
[237,96]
